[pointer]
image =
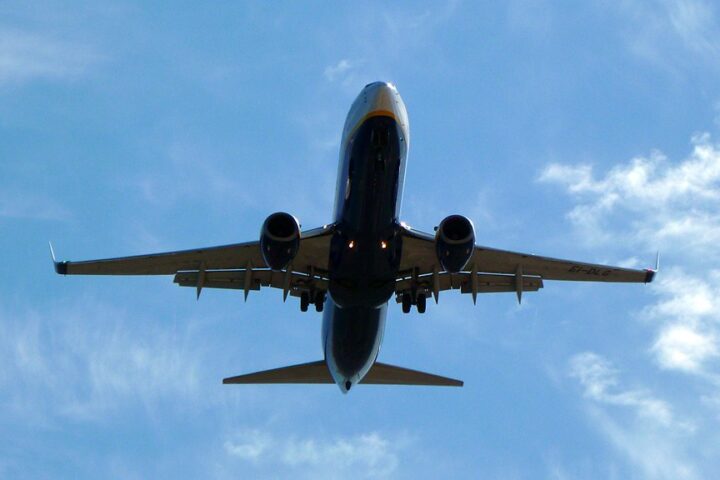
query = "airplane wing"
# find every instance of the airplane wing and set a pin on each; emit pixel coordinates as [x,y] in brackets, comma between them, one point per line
[494,270]
[239,265]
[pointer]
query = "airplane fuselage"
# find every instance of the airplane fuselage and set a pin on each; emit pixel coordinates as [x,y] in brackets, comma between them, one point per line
[366,246]
[351,268]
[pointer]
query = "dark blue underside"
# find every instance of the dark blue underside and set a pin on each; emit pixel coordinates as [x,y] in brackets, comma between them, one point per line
[362,272]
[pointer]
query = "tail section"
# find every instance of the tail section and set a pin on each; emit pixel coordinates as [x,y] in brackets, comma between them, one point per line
[384,374]
[317,372]
[313,372]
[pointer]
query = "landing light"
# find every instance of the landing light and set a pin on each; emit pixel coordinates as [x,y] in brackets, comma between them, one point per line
[351,244]
[383,244]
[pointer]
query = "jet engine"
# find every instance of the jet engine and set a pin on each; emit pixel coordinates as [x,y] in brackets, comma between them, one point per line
[454,242]
[279,240]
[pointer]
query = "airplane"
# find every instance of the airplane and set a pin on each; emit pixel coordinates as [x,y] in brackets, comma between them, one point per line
[350,269]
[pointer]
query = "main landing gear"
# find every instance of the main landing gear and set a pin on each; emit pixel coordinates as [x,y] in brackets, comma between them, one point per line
[318,300]
[420,302]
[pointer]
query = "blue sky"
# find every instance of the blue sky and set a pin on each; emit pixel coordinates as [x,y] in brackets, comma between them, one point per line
[579,131]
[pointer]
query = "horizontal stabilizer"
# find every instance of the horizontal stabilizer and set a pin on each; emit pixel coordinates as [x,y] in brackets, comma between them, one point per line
[384,374]
[313,372]
[317,372]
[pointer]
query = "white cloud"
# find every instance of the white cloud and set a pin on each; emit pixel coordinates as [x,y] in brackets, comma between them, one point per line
[689,317]
[368,455]
[599,379]
[667,203]
[348,73]
[332,72]
[249,445]
[683,348]
[684,296]
[654,440]
[652,202]
[26,56]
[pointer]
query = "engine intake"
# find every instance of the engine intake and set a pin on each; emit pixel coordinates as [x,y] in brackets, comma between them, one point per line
[454,242]
[279,240]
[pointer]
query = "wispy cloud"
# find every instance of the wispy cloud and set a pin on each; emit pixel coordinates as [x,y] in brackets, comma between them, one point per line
[189,171]
[653,441]
[87,361]
[600,381]
[695,23]
[657,455]
[368,455]
[671,34]
[651,202]
[31,206]
[349,73]
[26,56]
[333,72]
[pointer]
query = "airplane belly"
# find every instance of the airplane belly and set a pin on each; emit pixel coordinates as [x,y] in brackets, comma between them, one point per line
[366,247]
[372,167]
[352,338]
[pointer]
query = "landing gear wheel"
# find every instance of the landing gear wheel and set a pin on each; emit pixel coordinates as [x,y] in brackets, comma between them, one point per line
[406,303]
[319,301]
[304,301]
[421,303]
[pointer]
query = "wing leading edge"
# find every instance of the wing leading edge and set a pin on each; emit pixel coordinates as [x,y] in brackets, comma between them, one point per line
[314,245]
[238,265]
[494,270]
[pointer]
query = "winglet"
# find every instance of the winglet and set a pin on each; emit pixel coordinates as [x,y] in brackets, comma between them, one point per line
[650,272]
[60,267]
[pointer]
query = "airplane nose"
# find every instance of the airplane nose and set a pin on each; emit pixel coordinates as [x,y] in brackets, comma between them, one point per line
[378,99]
[374,85]
[381,96]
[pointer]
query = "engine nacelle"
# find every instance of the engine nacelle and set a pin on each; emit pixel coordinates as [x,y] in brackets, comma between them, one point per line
[279,240]
[454,242]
